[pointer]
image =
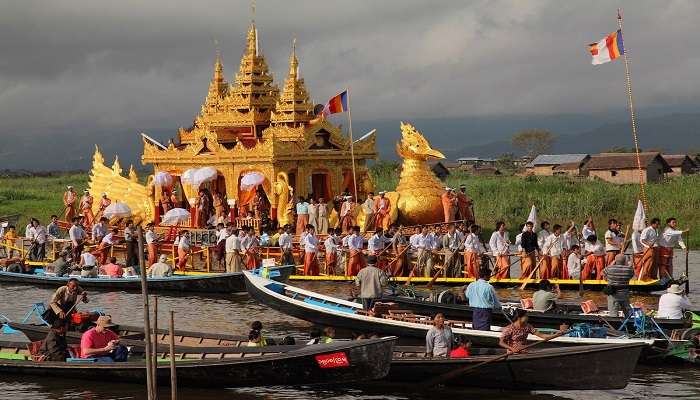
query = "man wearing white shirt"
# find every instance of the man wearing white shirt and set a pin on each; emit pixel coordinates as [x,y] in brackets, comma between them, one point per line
[552,250]
[573,262]
[151,243]
[233,252]
[331,244]
[595,258]
[106,244]
[673,303]
[38,236]
[285,243]
[450,247]
[424,257]
[669,238]
[543,234]
[310,243]
[375,246]
[499,244]
[221,236]
[473,249]
[99,230]
[368,209]
[588,229]
[77,238]
[355,245]
[183,249]
[637,251]
[649,239]
[613,241]
[88,264]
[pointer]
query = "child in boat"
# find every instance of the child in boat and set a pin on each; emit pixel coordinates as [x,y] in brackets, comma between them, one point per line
[462,347]
[255,337]
[328,335]
[10,238]
[514,336]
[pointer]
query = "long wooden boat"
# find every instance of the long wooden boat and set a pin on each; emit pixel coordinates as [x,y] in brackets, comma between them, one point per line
[589,284]
[329,311]
[613,364]
[607,366]
[200,283]
[338,362]
[537,318]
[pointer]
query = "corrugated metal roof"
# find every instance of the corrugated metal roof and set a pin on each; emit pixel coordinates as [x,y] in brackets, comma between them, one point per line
[556,159]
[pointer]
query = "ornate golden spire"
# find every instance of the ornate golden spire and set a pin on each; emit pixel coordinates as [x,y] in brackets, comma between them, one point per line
[218,87]
[293,108]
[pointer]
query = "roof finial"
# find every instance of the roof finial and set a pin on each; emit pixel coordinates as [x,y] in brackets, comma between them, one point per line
[293,63]
[252,11]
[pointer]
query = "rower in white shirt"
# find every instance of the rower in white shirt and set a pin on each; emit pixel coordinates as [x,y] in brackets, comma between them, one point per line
[552,250]
[355,245]
[473,249]
[285,243]
[424,257]
[332,245]
[375,244]
[649,239]
[594,251]
[669,238]
[543,234]
[637,251]
[499,244]
[99,230]
[310,243]
[573,263]
[588,229]
[613,241]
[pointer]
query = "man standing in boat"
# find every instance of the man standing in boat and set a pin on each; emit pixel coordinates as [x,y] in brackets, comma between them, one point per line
[310,243]
[473,249]
[65,298]
[618,276]
[450,248]
[499,244]
[368,210]
[86,207]
[285,243]
[464,204]
[531,248]
[233,252]
[69,198]
[382,211]
[77,237]
[552,252]
[355,244]
[670,238]
[613,241]
[331,245]
[104,203]
[375,246]
[483,298]
[649,238]
[371,281]
[302,208]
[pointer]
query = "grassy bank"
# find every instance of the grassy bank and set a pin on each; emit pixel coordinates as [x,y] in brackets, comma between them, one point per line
[561,199]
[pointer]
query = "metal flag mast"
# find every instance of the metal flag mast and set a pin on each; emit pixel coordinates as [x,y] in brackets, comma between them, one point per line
[642,193]
[352,145]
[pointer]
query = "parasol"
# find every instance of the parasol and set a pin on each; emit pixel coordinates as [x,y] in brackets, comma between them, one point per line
[163,179]
[117,210]
[204,174]
[175,216]
[250,180]
[186,176]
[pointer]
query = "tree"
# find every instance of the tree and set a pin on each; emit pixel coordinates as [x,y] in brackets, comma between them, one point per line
[505,163]
[533,142]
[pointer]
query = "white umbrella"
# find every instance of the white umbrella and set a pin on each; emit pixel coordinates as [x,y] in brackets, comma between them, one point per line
[187,176]
[639,217]
[117,210]
[175,216]
[532,217]
[163,179]
[202,175]
[251,179]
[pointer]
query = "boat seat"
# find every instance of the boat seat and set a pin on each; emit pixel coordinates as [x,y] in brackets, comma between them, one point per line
[13,356]
[81,360]
[335,307]
[276,287]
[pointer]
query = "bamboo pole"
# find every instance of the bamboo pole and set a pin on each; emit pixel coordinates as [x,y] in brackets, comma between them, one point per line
[154,358]
[173,373]
[352,146]
[687,253]
[146,319]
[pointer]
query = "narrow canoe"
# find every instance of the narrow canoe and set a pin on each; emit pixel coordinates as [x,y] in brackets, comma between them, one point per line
[329,311]
[339,362]
[200,283]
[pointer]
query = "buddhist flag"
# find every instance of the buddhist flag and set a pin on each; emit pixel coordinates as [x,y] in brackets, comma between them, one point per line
[607,49]
[337,104]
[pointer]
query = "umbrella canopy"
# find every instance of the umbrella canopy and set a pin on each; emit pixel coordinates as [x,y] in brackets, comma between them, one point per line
[175,216]
[251,179]
[117,210]
[532,217]
[204,174]
[639,217]
[187,176]
[163,179]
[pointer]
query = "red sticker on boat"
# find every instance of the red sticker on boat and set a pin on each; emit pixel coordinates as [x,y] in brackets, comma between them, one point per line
[333,360]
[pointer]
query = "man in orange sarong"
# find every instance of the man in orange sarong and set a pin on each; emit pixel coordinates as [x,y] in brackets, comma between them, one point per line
[250,249]
[529,246]
[400,265]
[310,243]
[448,204]
[183,250]
[670,237]
[649,239]
[86,207]
[69,198]
[347,213]
[595,259]
[473,249]
[499,245]
[151,243]
[302,208]
[552,252]
[464,204]
[357,260]
[382,210]
[109,240]
[219,207]
[104,203]
[165,202]
[332,245]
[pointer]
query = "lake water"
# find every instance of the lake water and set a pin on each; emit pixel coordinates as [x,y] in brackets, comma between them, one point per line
[232,313]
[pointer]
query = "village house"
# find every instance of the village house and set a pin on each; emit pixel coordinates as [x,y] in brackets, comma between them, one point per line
[622,167]
[681,164]
[557,164]
[467,163]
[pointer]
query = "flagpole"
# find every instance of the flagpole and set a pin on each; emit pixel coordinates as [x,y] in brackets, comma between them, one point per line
[352,145]
[643,194]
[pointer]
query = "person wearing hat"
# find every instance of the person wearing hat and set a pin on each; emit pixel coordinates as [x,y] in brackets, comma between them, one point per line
[86,207]
[449,204]
[101,343]
[69,198]
[464,204]
[104,203]
[160,269]
[673,303]
[347,214]
[60,266]
[65,298]
[382,209]
[618,276]
[371,281]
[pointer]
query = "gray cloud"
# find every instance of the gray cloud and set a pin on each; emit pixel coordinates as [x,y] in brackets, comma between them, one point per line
[135,65]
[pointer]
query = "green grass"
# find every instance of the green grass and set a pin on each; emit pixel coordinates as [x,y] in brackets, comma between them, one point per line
[562,199]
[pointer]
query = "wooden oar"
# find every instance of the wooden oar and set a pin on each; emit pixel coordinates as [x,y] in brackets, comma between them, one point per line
[687,252]
[538,264]
[463,370]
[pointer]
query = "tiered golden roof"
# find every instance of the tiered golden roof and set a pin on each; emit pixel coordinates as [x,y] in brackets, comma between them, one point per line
[294,108]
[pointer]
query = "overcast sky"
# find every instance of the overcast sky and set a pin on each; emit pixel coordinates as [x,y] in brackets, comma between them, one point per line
[98,65]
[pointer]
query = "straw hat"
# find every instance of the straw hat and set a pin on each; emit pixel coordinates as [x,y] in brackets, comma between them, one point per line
[104,321]
[675,289]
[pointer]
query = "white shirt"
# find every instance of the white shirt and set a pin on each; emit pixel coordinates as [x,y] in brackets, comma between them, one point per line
[452,241]
[649,235]
[615,238]
[346,241]
[88,259]
[98,230]
[671,306]
[671,238]
[151,237]
[285,241]
[76,233]
[355,242]
[499,244]
[431,242]
[568,240]
[586,232]
[541,237]
[28,231]
[519,242]
[331,243]
[413,240]
[637,242]
[552,246]
[596,248]
[38,234]
[310,243]
[345,208]
[222,235]
[368,206]
[233,244]
[375,244]
[108,238]
[184,243]
[472,244]
[249,242]
[573,265]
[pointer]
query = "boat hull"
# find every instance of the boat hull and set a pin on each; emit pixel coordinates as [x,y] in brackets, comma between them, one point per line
[213,283]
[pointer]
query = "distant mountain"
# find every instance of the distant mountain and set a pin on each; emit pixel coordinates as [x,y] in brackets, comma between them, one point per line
[668,133]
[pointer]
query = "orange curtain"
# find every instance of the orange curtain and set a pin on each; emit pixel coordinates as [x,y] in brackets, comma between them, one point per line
[329,190]
[348,183]
[244,198]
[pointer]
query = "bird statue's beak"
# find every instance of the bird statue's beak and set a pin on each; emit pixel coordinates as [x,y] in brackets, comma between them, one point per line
[435,154]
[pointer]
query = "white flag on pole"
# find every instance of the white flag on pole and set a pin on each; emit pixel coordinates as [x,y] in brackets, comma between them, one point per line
[532,217]
[638,223]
